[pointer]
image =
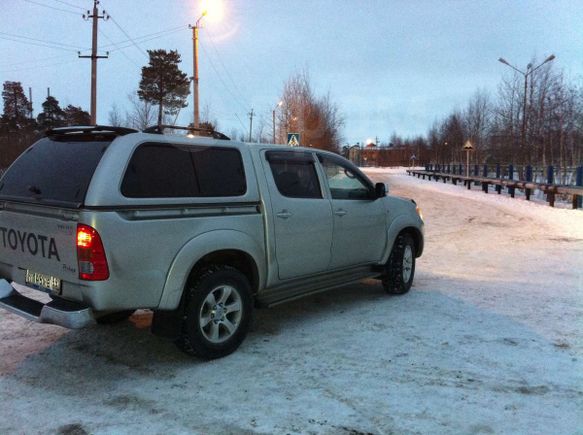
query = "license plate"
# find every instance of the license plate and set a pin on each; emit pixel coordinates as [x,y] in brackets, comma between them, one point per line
[43,282]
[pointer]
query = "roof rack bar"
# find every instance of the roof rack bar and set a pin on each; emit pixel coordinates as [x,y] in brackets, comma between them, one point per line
[159,129]
[118,131]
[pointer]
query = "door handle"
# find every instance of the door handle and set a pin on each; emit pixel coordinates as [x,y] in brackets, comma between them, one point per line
[341,212]
[284,214]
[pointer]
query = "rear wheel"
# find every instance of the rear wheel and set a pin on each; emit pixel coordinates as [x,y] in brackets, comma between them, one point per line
[401,266]
[217,314]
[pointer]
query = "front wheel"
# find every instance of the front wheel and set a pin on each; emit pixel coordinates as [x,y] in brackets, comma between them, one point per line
[218,313]
[401,266]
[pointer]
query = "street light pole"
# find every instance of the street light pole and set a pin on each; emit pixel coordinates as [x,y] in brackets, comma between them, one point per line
[195,69]
[273,113]
[529,71]
[468,147]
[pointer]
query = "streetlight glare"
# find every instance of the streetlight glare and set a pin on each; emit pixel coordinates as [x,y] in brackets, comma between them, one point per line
[213,10]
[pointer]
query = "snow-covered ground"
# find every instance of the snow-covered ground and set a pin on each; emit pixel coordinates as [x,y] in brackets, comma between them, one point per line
[489,340]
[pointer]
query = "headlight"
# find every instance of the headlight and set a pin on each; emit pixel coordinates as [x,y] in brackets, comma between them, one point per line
[418,210]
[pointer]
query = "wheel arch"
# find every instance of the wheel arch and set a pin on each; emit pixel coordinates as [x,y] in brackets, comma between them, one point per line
[235,258]
[229,247]
[417,239]
[404,225]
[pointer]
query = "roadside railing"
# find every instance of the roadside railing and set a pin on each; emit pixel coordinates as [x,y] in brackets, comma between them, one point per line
[506,180]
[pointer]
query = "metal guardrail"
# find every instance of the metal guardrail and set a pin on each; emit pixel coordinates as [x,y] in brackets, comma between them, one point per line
[551,190]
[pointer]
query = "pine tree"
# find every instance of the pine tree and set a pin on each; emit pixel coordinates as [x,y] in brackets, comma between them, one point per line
[52,114]
[16,105]
[163,83]
[76,116]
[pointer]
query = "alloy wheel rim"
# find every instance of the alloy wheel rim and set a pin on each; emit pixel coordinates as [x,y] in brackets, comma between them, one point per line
[407,263]
[220,314]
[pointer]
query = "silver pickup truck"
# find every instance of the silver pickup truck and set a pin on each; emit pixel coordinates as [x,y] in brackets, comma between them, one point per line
[197,229]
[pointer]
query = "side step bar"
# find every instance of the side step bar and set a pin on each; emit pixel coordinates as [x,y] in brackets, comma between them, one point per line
[299,288]
[60,312]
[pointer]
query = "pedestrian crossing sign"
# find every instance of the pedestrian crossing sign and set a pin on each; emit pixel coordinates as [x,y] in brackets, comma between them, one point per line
[293,139]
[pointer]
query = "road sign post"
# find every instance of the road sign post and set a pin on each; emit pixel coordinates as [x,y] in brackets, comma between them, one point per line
[412,160]
[293,139]
[468,147]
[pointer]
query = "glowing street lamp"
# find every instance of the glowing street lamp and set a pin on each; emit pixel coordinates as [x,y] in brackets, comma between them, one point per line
[213,10]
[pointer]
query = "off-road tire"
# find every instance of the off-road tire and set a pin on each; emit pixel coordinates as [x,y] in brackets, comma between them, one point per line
[193,339]
[116,317]
[401,266]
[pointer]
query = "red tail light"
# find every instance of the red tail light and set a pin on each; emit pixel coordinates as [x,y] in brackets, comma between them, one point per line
[91,255]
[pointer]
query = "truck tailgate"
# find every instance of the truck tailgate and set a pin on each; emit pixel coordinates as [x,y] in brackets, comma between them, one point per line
[38,246]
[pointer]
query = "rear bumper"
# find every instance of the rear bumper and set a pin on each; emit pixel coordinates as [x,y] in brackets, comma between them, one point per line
[60,312]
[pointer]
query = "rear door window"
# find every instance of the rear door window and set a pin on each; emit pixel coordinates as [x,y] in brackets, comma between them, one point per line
[294,174]
[161,170]
[53,172]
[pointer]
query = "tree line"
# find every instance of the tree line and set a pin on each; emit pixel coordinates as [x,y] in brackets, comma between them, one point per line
[161,94]
[18,127]
[533,120]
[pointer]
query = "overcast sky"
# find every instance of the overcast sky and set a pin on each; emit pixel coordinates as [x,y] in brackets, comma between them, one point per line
[391,66]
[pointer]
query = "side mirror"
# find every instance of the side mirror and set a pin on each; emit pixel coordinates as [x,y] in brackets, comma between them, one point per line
[380,190]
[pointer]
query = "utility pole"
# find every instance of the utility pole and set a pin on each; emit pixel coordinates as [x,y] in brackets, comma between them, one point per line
[195,96]
[273,125]
[273,113]
[251,115]
[95,17]
[195,77]
[30,102]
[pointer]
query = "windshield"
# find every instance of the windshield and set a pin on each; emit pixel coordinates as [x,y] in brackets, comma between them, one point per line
[53,172]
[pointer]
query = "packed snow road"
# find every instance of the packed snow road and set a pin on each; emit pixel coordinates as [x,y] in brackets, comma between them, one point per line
[489,340]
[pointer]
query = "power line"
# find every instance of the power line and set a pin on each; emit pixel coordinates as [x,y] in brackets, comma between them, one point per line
[28,68]
[152,36]
[128,36]
[51,7]
[33,61]
[240,122]
[125,44]
[227,103]
[235,98]
[70,4]
[76,47]
[118,48]
[235,87]
[38,44]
